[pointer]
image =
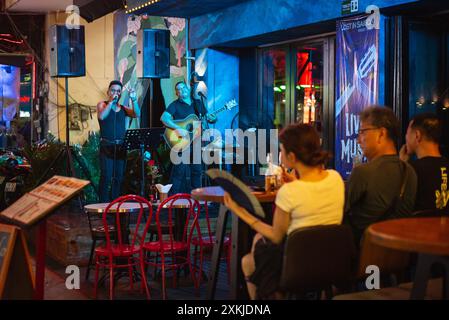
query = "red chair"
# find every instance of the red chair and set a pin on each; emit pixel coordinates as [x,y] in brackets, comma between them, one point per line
[122,253]
[173,252]
[205,243]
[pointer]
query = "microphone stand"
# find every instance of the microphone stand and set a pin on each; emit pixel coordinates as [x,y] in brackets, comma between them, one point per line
[114,178]
[206,126]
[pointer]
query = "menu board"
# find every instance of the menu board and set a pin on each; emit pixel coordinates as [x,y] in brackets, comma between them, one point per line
[39,202]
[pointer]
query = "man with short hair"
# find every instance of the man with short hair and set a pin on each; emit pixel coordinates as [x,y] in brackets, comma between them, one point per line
[422,139]
[185,177]
[374,189]
[112,119]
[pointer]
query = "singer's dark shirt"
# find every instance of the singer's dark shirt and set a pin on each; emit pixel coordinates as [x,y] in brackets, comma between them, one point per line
[113,127]
[112,134]
[180,110]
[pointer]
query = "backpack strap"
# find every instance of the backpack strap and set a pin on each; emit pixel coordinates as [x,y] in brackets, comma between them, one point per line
[400,196]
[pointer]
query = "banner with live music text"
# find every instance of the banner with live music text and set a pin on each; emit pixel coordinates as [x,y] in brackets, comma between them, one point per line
[356,84]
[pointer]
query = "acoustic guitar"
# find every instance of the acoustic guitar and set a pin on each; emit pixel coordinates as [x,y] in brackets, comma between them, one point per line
[179,143]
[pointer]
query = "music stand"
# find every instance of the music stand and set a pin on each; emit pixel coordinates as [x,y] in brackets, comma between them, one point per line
[141,139]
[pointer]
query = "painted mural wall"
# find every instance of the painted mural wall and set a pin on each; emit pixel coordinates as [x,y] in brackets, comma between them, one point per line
[110,54]
[125,44]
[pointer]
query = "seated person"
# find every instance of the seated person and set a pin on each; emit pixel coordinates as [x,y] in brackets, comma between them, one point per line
[422,139]
[317,198]
[374,188]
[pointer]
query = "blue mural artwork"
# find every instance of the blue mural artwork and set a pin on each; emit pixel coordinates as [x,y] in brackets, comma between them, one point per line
[219,71]
[357,79]
[125,45]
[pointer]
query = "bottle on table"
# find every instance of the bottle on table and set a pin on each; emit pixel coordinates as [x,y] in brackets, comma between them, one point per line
[270,177]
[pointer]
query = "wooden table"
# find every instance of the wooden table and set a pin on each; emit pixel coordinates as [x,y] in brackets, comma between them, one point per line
[429,237]
[240,237]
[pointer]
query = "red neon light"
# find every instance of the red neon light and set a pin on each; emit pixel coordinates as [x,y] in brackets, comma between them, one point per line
[11,41]
[33,80]
[25,99]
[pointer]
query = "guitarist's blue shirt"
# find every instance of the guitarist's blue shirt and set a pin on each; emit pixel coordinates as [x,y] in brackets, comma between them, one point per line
[180,110]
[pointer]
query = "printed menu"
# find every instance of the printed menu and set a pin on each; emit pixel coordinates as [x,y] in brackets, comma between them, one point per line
[39,202]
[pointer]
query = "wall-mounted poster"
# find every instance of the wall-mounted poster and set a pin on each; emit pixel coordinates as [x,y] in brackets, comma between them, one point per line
[9,92]
[357,80]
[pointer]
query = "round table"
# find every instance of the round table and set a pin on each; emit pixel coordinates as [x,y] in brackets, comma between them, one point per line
[180,213]
[127,207]
[177,204]
[429,237]
[240,237]
[422,235]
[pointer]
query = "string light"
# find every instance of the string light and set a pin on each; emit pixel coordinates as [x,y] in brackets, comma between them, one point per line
[141,6]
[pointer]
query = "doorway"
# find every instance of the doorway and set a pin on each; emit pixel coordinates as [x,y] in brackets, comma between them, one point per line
[296,85]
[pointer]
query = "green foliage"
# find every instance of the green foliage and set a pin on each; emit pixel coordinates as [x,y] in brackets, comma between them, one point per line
[41,157]
[85,160]
[88,156]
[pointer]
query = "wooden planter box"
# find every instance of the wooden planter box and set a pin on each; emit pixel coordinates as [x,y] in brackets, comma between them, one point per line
[68,238]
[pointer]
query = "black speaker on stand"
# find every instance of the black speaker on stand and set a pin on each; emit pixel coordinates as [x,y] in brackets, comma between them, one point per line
[153,62]
[153,58]
[67,60]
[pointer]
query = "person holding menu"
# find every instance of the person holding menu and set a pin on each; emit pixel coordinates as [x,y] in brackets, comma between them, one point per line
[317,198]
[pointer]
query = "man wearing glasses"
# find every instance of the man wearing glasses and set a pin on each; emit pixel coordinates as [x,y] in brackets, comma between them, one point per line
[112,119]
[384,187]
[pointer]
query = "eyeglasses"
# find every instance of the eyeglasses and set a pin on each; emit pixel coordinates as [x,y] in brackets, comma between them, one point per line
[362,131]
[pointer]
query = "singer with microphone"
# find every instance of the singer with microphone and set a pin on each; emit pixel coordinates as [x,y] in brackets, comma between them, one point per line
[112,119]
[185,177]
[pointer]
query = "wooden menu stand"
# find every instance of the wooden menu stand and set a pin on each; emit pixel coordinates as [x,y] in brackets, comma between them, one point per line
[34,207]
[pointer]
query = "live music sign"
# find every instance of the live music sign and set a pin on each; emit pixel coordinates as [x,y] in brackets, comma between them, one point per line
[357,81]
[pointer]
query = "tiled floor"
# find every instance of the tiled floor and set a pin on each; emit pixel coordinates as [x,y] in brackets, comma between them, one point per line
[55,288]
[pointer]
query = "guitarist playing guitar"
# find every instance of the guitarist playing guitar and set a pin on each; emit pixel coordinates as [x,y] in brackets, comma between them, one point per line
[184,177]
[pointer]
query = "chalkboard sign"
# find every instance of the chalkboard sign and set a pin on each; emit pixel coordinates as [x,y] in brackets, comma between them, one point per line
[7,233]
[4,241]
[16,278]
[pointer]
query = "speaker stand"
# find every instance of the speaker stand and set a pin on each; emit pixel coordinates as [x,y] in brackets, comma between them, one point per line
[67,153]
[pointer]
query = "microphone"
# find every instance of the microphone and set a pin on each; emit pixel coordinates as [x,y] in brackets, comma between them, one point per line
[202,94]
